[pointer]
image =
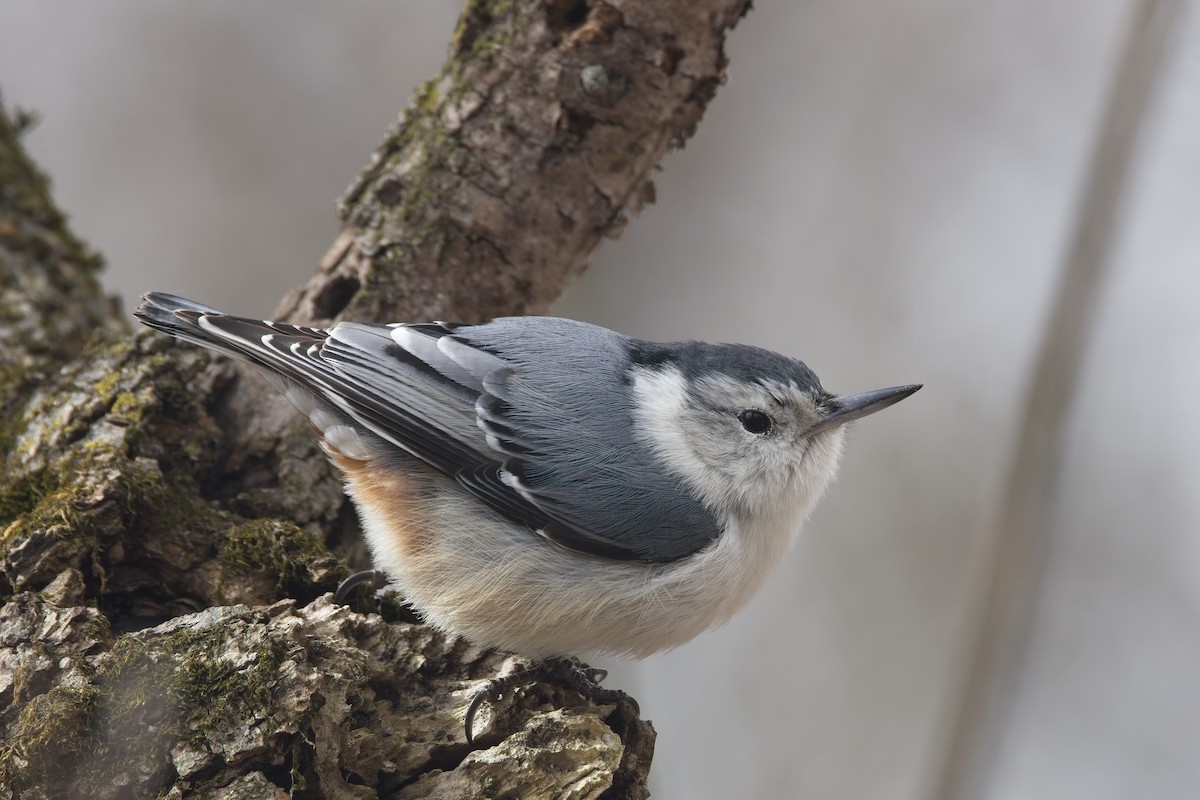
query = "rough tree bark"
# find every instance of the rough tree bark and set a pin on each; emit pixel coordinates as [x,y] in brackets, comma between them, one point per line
[166,525]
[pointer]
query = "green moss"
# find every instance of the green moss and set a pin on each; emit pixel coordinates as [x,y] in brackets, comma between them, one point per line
[210,686]
[21,496]
[49,734]
[99,495]
[54,512]
[208,682]
[101,464]
[201,683]
[273,548]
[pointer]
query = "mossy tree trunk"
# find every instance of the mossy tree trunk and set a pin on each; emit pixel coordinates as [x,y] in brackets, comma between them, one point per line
[168,528]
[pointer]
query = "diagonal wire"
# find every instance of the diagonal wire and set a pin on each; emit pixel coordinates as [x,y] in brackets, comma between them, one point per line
[1023,528]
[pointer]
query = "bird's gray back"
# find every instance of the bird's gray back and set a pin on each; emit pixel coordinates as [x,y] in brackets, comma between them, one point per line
[569,401]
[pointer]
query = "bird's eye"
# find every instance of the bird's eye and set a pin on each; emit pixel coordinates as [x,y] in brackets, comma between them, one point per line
[755,421]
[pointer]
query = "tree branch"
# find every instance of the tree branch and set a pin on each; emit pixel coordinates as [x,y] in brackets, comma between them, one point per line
[508,169]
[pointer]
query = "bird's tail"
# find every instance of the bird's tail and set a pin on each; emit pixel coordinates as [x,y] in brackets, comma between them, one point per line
[180,318]
[238,337]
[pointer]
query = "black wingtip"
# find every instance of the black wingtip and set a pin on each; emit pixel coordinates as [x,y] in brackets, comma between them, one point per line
[177,316]
[160,305]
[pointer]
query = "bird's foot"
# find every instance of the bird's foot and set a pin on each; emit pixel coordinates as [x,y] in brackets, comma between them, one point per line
[372,577]
[568,672]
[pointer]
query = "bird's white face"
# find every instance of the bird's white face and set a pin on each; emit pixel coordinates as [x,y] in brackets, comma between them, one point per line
[748,450]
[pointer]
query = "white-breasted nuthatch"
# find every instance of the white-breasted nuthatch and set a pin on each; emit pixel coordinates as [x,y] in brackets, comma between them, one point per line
[552,488]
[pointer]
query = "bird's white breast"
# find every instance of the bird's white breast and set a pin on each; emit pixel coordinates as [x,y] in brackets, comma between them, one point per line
[474,573]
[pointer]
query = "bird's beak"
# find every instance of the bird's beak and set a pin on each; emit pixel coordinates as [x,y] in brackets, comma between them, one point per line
[856,406]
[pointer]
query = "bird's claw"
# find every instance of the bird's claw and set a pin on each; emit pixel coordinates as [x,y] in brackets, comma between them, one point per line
[568,672]
[372,577]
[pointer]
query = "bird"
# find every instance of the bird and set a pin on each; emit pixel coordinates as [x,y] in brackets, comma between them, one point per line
[548,487]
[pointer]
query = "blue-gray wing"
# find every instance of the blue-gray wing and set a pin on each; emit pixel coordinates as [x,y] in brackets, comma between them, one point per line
[560,414]
[356,370]
[529,414]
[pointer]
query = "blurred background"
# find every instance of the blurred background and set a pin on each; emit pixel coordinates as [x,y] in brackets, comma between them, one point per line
[887,190]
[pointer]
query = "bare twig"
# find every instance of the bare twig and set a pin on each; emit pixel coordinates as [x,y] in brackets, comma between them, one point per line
[1003,612]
